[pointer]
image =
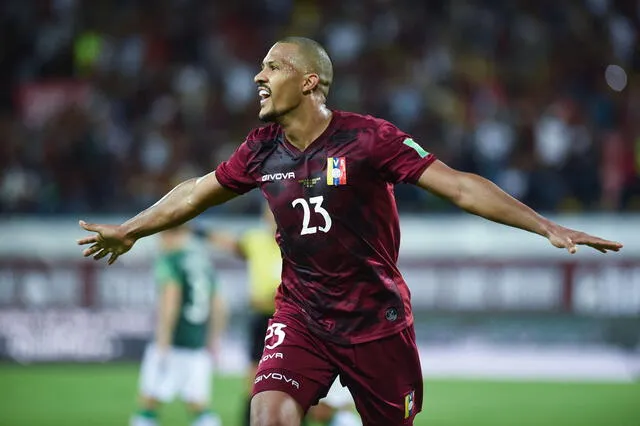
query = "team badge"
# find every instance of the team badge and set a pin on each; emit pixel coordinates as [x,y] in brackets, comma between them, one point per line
[336,171]
[409,404]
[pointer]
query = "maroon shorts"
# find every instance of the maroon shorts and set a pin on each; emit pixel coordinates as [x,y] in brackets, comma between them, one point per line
[384,375]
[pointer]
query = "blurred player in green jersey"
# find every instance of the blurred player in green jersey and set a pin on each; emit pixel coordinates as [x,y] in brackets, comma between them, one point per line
[190,320]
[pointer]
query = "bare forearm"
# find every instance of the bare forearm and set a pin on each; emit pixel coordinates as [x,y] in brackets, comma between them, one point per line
[171,210]
[184,202]
[481,197]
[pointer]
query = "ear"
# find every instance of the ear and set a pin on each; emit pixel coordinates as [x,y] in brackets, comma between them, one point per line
[310,83]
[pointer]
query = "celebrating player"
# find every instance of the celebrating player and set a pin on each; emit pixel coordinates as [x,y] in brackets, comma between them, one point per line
[343,308]
[190,320]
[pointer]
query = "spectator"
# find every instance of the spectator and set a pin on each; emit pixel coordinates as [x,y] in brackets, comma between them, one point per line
[170,92]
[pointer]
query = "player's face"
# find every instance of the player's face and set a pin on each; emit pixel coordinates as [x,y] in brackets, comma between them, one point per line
[279,82]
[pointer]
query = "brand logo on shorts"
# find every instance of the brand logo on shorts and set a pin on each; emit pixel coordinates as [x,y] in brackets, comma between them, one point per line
[409,404]
[277,376]
[267,357]
[391,314]
[269,177]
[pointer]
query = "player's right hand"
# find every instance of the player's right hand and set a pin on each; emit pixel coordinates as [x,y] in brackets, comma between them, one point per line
[107,239]
[570,239]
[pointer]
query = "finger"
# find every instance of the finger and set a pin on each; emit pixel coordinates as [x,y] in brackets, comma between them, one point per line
[88,240]
[570,246]
[101,254]
[595,241]
[599,244]
[606,245]
[91,250]
[88,226]
[112,258]
[611,245]
[604,248]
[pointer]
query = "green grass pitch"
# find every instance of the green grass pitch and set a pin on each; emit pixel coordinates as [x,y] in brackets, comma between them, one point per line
[104,395]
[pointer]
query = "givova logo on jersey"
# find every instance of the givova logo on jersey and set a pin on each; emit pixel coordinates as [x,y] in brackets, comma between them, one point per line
[270,177]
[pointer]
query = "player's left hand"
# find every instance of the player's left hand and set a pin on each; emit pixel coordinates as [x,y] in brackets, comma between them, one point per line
[570,239]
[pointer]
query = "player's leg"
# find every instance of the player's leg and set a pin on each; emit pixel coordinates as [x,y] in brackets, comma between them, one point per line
[197,370]
[157,384]
[336,409]
[202,415]
[257,328]
[293,373]
[147,413]
[385,379]
[345,418]
[275,408]
[322,412]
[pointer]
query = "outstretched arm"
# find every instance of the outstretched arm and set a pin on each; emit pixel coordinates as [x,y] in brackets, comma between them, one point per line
[182,203]
[481,197]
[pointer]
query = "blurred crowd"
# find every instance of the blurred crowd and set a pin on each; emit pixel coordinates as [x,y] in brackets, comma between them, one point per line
[105,104]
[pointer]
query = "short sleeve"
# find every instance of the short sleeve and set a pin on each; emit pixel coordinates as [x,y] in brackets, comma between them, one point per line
[397,156]
[165,272]
[234,174]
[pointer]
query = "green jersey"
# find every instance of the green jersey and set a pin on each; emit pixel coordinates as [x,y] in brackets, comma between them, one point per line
[192,271]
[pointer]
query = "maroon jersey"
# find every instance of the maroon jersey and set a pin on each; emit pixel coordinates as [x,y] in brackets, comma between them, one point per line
[337,221]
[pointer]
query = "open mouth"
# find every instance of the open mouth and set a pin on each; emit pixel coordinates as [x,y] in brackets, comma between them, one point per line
[264,94]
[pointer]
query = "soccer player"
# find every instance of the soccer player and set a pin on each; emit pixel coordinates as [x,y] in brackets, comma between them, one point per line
[190,320]
[264,263]
[343,308]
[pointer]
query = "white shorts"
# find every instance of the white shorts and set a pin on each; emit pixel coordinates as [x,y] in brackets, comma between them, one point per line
[338,396]
[184,372]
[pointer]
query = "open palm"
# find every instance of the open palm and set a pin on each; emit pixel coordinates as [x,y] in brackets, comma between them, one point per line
[106,240]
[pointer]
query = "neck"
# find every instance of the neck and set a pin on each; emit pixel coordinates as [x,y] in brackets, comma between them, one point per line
[303,126]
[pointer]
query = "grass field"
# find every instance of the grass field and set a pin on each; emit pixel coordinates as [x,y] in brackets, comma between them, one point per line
[104,395]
